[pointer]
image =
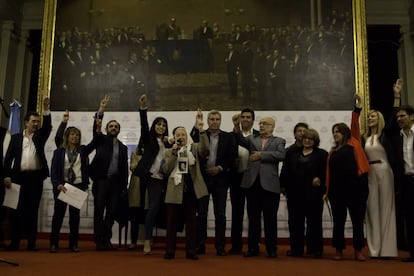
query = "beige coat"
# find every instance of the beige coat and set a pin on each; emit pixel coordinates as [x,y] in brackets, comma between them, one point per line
[134,188]
[174,192]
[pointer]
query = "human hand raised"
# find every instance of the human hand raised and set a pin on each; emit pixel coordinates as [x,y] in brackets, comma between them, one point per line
[143,102]
[65,117]
[397,87]
[104,103]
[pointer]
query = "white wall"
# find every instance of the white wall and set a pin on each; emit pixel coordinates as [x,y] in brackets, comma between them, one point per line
[130,130]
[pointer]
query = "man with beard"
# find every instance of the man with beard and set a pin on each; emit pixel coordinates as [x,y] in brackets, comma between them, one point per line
[109,172]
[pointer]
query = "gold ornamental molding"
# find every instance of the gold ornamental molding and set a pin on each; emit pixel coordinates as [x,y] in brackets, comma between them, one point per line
[46,52]
[361,58]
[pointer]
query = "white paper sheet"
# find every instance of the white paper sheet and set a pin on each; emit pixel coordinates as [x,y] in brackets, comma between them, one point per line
[11,198]
[73,196]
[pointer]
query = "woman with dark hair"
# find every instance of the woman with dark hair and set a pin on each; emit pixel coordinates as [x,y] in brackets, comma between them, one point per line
[149,167]
[347,185]
[303,178]
[69,165]
[184,187]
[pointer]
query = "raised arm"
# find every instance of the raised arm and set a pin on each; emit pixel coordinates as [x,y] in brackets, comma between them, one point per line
[61,130]
[143,109]
[355,127]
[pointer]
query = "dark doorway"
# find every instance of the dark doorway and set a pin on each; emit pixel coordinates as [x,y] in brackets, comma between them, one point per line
[383,45]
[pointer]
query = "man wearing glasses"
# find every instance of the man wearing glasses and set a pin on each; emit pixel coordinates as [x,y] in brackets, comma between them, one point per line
[261,181]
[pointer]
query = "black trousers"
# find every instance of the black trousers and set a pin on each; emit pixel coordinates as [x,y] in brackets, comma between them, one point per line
[352,197]
[237,199]
[188,208]
[218,191]
[136,217]
[408,210]
[106,194]
[299,210]
[58,216]
[261,201]
[24,219]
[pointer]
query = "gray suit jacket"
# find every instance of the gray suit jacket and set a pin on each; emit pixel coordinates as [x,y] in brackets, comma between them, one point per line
[267,168]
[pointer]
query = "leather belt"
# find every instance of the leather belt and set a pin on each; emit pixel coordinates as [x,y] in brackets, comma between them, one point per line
[375,162]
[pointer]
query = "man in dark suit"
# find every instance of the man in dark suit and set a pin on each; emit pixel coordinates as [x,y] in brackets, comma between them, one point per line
[109,172]
[25,164]
[232,61]
[237,194]
[403,144]
[278,69]
[261,181]
[216,172]
[246,70]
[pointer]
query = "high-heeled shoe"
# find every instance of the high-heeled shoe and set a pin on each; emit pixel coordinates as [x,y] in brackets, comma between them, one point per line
[338,255]
[359,256]
[147,247]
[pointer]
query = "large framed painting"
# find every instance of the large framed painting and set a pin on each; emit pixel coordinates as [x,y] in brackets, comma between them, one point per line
[185,54]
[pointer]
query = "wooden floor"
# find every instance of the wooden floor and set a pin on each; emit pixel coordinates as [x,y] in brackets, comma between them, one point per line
[123,261]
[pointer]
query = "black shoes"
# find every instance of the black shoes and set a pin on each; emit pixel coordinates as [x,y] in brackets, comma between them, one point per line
[317,254]
[32,248]
[234,251]
[272,254]
[193,257]
[250,253]
[293,253]
[201,250]
[74,249]
[53,249]
[12,247]
[169,256]
[408,259]
[100,246]
[221,252]
[109,247]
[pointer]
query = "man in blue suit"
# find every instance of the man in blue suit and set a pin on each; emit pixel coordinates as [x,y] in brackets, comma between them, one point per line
[261,181]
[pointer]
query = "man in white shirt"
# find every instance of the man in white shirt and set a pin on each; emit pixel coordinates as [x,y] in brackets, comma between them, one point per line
[25,164]
[405,117]
[237,195]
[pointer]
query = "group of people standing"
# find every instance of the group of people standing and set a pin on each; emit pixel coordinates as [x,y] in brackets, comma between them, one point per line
[360,174]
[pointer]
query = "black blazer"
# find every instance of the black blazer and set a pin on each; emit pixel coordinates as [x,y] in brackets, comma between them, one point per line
[14,152]
[103,144]
[226,150]
[150,145]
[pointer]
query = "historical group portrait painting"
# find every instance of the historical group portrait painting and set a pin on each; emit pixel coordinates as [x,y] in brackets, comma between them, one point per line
[185,54]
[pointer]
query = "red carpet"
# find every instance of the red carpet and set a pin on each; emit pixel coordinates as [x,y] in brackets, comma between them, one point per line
[126,262]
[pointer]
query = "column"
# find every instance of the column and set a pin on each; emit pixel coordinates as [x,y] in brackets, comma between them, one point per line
[406,65]
[312,14]
[7,28]
[319,7]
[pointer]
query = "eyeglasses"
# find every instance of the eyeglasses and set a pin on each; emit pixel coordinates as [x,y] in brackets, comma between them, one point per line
[264,124]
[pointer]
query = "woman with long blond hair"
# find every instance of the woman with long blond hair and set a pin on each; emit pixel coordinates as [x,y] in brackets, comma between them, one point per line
[380,216]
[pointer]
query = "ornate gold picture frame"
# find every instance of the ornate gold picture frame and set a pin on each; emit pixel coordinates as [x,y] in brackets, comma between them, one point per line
[229,15]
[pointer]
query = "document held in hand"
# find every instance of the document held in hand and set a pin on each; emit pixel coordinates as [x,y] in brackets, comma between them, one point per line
[73,196]
[11,198]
